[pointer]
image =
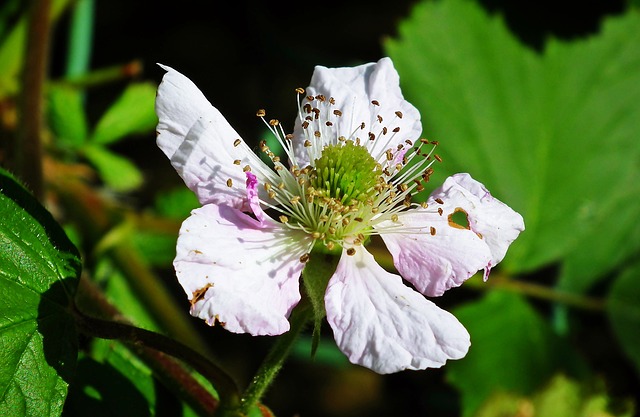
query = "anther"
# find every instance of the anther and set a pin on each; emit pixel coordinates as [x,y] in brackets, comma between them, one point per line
[300,90]
[274,122]
[229,183]
[399,114]
[337,113]
[351,251]
[375,102]
[237,162]
[237,142]
[284,219]
[304,258]
[439,201]
[261,113]
[246,168]
[437,157]
[432,230]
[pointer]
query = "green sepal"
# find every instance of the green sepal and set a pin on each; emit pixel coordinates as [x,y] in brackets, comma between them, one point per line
[315,277]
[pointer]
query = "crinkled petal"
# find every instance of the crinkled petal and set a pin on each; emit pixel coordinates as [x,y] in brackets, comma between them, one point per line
[355,89]
[384,325]
[238,271]
[431,253]
[204,149]
[497,223]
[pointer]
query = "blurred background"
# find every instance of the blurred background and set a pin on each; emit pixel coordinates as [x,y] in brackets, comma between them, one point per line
[535,99]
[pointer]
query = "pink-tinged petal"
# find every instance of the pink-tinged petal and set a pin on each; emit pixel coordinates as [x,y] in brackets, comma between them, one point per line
[430,252]
[384,325]
[497,223]
[368,94]
[238,271]
[204,149]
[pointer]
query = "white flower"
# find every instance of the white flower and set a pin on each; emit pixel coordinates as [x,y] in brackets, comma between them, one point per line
[355,159]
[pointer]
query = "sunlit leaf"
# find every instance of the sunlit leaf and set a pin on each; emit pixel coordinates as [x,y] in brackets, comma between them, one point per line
[39,269]
[552,134]
[67,116]
[116,171]
[623,308]
[512,349]
[132,113]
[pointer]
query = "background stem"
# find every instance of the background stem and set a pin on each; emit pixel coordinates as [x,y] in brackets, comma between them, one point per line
[27,152]
[154,348]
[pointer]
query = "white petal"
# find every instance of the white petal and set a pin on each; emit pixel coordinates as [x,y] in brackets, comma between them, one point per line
[431,254]
[202,146]
[382,324]
[498,224]
[354,89]
[238,271]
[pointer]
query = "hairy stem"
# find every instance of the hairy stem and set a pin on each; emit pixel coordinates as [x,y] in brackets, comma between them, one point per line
[154,348]
[272,364]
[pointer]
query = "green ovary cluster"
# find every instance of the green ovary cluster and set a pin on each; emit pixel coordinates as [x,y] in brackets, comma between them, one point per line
[346,173]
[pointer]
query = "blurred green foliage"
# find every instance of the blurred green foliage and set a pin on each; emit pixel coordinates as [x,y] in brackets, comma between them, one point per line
[552,132]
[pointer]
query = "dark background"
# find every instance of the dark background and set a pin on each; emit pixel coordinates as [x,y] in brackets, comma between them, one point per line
[246,55]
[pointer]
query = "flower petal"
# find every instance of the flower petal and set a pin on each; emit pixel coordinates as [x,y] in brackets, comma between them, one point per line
[203,147]
[355,90]
[431,254]
[498,224]
[238,271]
[380,323]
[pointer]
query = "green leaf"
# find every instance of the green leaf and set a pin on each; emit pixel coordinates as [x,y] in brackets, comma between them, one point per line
[116,171]
[67,116]
[132,113]
[39,270]
[623,309]
[512,349]
[553,135]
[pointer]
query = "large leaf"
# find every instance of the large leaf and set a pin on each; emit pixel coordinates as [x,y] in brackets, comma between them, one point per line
[552,134]
[512,349]
[623,308]
[39,268]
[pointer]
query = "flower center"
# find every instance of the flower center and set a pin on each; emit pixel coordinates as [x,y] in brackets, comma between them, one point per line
[345,191]
[346,173]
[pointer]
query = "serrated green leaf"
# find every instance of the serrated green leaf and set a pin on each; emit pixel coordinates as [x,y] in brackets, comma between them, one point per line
[536,129]
[116,171]
[623,309]
[67,116]
[39,270]
[132,113]
[512,349]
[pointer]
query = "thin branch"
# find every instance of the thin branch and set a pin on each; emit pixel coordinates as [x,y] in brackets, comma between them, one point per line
[154,348]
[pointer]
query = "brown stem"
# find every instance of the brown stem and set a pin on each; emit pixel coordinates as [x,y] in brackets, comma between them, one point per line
[27,152]
[154,349]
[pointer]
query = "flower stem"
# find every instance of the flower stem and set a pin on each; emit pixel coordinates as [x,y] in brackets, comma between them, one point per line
[272,364]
